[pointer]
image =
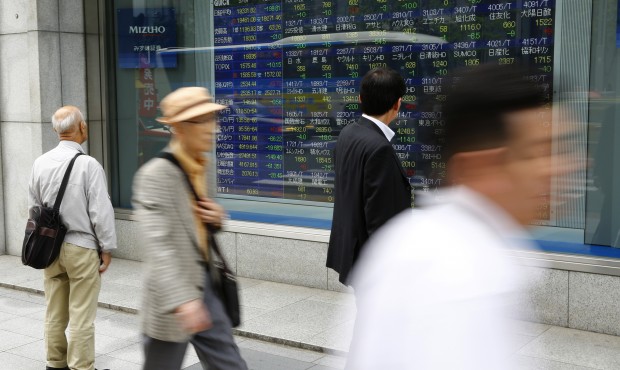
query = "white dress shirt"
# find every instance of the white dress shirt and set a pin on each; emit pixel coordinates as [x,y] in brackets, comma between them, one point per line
[434,288]
[86,209]
[387,131]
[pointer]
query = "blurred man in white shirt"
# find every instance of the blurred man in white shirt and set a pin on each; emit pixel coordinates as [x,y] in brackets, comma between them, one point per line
[435,286]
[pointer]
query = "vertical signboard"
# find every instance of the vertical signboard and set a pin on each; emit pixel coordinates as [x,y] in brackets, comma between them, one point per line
[141,33]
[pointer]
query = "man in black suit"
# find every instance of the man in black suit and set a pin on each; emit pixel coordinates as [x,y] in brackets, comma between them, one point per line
[370,186]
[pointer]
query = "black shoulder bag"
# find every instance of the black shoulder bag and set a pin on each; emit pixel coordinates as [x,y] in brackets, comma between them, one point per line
[224,281]
[45,231]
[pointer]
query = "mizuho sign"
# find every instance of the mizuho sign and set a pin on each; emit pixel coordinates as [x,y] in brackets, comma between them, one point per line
[146,29]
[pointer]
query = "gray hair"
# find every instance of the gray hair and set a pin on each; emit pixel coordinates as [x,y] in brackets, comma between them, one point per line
[66,118]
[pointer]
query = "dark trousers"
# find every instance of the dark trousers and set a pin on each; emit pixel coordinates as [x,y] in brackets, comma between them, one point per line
[215,347]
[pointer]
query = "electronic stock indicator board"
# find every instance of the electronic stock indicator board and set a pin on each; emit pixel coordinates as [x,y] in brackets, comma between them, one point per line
[290,70]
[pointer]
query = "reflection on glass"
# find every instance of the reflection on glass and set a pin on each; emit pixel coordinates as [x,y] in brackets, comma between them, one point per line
[289,72]
[602,207]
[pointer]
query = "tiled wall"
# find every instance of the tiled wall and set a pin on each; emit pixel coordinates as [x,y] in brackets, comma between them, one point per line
[556,297]
[573,299]
[283,260]
[594,302]
[546,300]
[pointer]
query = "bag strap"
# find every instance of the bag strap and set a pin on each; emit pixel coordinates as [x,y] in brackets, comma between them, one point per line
[170,157]
[65,181]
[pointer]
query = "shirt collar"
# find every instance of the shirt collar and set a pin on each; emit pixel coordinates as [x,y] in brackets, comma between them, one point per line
[389,134]
[482,208]
[71,145]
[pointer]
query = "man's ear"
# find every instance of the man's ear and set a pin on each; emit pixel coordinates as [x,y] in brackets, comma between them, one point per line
[396,106]
[465,167]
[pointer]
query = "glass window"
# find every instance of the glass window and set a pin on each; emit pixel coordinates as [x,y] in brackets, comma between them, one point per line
[289,72]
[141,78]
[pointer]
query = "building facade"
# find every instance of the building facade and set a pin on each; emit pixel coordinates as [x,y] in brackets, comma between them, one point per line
[289,72]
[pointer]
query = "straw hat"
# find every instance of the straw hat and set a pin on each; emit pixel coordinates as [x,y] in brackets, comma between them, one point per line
[185,103]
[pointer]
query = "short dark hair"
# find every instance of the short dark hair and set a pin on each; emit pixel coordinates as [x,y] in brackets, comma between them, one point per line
[380,90]
[477,100]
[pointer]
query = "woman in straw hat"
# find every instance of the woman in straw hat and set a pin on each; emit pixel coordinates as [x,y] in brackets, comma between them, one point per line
[179,305]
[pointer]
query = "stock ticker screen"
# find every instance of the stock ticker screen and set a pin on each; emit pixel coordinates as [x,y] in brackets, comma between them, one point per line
[290,72]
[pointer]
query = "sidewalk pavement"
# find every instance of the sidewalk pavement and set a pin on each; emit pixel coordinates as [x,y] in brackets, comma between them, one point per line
[308,328]
[118,341]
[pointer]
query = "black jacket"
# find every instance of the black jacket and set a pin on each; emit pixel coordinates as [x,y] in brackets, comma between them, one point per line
[370,188]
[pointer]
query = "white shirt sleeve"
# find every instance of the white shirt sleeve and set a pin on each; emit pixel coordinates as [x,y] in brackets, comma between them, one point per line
[100,210]
[34,198]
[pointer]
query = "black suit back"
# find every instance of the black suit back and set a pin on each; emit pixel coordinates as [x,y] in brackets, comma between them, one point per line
[370,188]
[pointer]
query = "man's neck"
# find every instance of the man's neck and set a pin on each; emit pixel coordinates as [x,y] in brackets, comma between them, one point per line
[74,139]
[384,118]
[72,136]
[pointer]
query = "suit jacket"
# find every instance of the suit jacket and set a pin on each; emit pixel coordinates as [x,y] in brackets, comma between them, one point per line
[370,188]
[174,269]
